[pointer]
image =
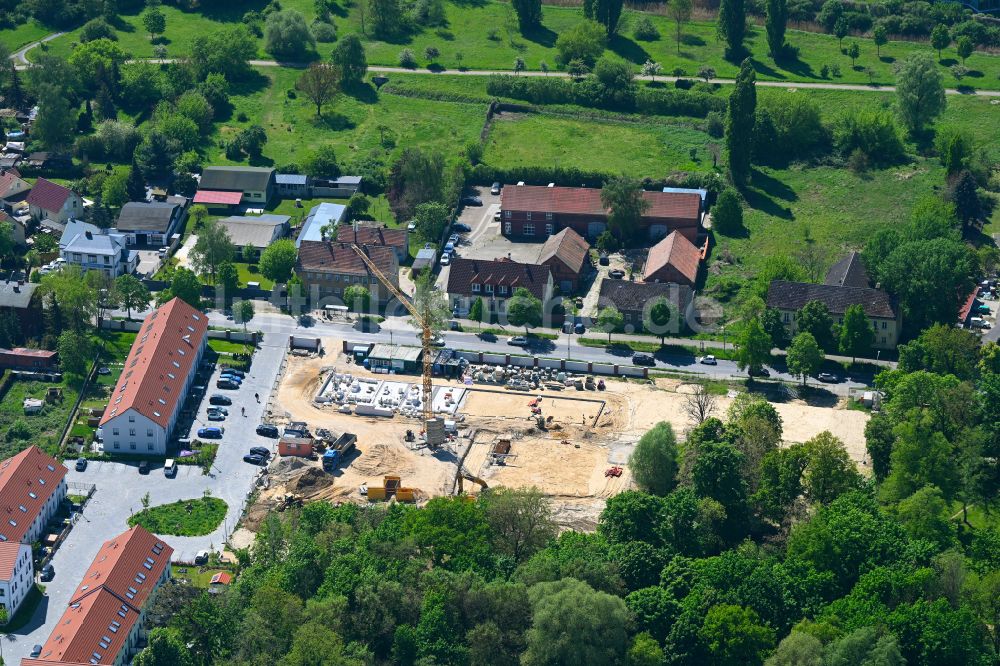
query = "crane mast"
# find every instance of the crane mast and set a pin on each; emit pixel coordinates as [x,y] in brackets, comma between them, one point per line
[426,334]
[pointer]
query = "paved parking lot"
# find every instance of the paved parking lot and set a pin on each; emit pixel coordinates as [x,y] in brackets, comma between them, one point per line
[120,489]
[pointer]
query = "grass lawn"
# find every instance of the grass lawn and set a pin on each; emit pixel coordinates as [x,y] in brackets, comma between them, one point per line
[350,125]
[470,26]
[194,517]
[248,273]
[18,430]
[26,610]
[226,346]
[26,33]
[644,148]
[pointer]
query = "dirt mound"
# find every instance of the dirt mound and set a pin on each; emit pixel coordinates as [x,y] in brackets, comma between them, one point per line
[382,459]
[286,468]
[310,481]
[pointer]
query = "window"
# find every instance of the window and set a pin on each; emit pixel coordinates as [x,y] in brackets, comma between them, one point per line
[885,325]
[149,432]
[489,289]
[131,432]
[475,287]
[786,317]
[506,228]
[131,418]
[527,216]
[529,230]
[114,431]
[503,289]
[548,216]
[507,213]
[549,228]
[628,316]
[883,339]
[149,447]
[131,445]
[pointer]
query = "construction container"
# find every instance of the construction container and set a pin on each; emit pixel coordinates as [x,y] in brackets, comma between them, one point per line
[296,446]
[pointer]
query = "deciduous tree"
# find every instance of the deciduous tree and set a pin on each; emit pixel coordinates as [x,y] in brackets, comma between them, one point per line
[349,57]
[622,196]
[919,91]
[679,12]
[320,83]
[654,460]
[524,309]
[754,347]
[212,248]
[609,320]
[277,260]
[804,356]
[132,294]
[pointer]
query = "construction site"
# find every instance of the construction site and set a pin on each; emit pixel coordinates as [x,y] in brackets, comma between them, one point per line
[571,443]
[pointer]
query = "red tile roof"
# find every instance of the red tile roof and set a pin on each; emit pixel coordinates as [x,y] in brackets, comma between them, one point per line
[466,272]
[330,257]
[587,201]
[27,480]
[9,552]
[162,357]
[11,183]
[368,235]
[674,250]
[217,197]
[568,247]
[106,606]
[48,195]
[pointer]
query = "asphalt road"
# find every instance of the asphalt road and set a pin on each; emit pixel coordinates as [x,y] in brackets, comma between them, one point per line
[398,330]
[120,489]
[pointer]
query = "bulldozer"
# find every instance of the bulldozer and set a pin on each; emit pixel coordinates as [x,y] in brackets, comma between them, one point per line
[288,501]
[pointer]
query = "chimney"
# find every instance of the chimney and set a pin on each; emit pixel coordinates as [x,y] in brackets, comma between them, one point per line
[89,235]
[17,289]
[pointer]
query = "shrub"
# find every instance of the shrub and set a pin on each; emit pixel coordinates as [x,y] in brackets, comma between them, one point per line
[288,35]
[645,30]
[584,41]
[715,126]
[873,132]
[407,59]
[324,32]
[97,28]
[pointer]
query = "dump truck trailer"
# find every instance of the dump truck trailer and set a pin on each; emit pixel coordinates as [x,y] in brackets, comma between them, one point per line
[336,452]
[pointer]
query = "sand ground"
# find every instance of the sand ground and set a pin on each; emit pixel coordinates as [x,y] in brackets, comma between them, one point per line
[586,434]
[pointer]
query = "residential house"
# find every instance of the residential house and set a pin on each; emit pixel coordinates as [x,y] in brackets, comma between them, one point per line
[320,216]
[373,234]
[343,187]
[150,222]
[219,186]
[17,228]
[850,271]
[881,308]
[48,200]
[158,372]
[635,300]
[19,298]
[257,231]
[292,186]
[495,281]
[32,488]
[328,268]
[13,190]
[567,254]
[92,248]
[674,259]
[529,212]
[104,622]
[20,358]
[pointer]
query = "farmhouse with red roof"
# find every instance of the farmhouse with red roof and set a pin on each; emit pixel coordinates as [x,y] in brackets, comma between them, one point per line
[529,211]
[103,623]
[158,372]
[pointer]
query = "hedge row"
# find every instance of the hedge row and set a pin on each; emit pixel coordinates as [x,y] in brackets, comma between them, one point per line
[484,174]
[591,93]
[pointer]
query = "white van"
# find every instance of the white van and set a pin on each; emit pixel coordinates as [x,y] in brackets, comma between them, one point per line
[170,468]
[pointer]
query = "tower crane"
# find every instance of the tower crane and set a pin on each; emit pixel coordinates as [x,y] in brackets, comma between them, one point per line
[421,319]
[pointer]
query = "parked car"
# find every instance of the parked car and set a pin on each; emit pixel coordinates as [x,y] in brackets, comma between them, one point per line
[260,451]
[763,372]
[216,416]
[235,378]
[211,432]
[496,216]
[253,459]
[643,359]
[267,430]
[81,464]
[446,258]
[472,201]
[219,410]
[227,384]
[220,400]
[616,274]
[226,370]
[579,328]
[827,377]
[411,226]
[35,651]
[143,467]
[518,341]
[201,557]
[708,360]
[603,260]
[104,370]
[48,573]
[496,188]
[461,227]
[453,239]
[436,341]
